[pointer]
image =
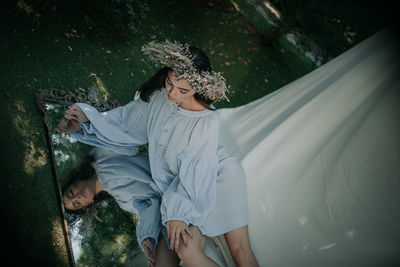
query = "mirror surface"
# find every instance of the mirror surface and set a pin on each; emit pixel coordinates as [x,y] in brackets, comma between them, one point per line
[103,234]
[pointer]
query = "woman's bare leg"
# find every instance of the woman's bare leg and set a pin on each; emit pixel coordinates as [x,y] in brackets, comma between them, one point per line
[165,256]
[239,246]
[193,254]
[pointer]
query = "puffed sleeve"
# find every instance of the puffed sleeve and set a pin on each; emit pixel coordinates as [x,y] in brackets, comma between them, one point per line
[129,181]
[121,129]
[149,225]
[191,196]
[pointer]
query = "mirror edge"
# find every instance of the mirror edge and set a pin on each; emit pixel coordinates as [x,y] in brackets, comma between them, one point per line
[41,105]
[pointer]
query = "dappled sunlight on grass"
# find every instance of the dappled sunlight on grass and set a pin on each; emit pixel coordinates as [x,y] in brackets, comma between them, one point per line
[58,238]
[34,157]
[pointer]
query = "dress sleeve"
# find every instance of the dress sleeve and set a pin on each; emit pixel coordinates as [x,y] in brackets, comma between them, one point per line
[121,129]
[191,196]
[128,180]
[149,225]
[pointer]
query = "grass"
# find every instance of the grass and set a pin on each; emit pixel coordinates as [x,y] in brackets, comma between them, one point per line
[42,54]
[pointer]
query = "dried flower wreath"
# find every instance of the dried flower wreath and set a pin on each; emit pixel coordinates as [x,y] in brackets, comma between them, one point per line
[177,56]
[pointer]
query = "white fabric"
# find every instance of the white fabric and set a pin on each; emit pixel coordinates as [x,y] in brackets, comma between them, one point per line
[322,162]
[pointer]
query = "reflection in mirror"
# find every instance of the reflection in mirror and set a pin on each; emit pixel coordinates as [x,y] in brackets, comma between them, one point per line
[102,234]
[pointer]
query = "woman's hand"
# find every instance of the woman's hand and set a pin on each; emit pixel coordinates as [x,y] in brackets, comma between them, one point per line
[176,230]
[75,113]
[69,124]
[149,252]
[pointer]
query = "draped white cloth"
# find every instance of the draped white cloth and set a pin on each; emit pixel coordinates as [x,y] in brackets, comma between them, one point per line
[322,162]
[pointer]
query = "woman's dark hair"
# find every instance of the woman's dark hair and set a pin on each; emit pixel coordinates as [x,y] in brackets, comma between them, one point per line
[156,82]
[83,172]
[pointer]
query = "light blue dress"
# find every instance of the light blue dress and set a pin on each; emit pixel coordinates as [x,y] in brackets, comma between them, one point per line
[128,180]
[200,183]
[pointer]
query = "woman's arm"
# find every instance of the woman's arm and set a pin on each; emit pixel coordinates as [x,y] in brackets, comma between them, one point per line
[128,180]
[122,128]
[149,225]
[191,195]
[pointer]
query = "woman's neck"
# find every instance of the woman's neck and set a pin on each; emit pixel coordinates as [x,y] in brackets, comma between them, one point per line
[193,105]
[98,187]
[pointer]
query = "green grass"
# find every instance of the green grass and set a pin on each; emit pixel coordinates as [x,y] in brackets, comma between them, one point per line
[35,56]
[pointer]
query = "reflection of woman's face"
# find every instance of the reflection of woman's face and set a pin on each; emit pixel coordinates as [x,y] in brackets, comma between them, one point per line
[179,91]
[78,196]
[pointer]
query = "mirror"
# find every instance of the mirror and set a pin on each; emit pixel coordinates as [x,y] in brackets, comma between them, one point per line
[103,234]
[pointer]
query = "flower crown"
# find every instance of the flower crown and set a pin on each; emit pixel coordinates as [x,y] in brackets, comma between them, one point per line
[177,56]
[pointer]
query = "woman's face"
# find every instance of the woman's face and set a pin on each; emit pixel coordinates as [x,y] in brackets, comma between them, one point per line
[179,91]
[78,196]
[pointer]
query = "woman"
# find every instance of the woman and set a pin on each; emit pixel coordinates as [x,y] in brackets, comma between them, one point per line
[181,127]
[127,180]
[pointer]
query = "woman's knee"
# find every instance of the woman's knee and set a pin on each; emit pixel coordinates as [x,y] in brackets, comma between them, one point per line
[193,247]
[164,256]
[186,252]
